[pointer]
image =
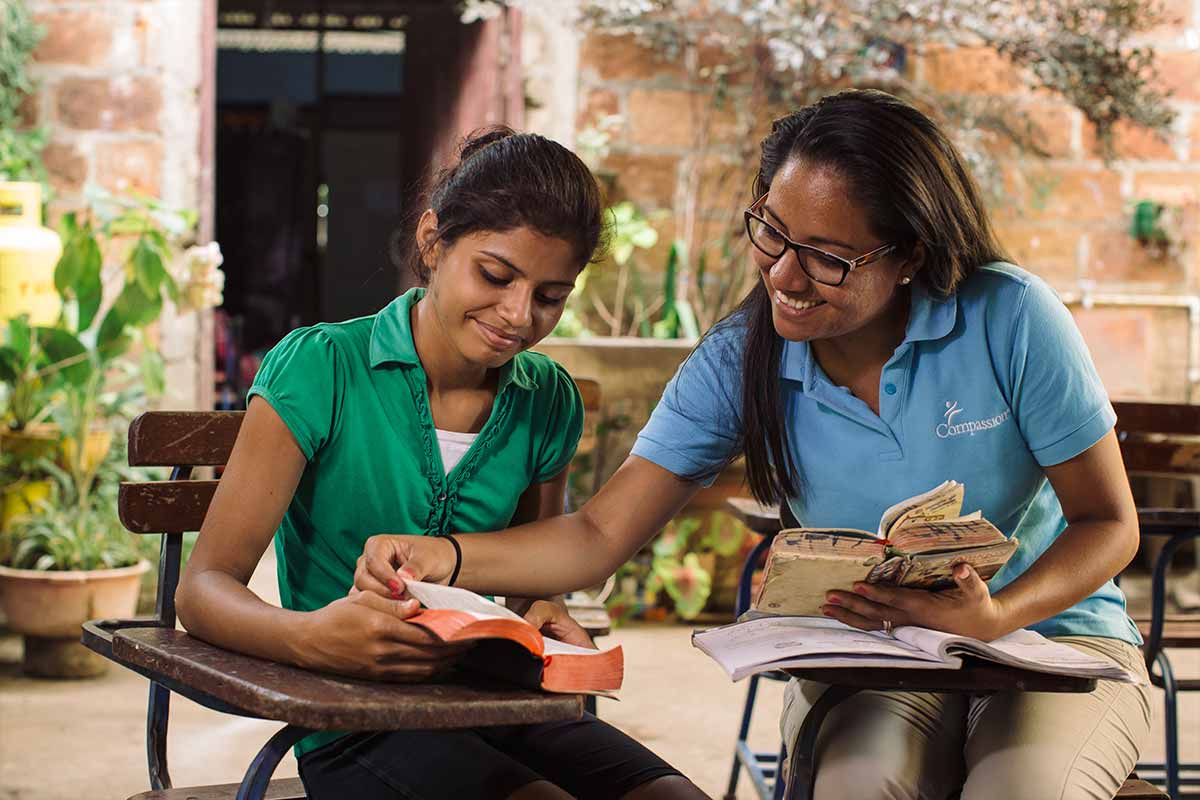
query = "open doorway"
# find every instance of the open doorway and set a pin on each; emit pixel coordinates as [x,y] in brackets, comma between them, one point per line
[328,116]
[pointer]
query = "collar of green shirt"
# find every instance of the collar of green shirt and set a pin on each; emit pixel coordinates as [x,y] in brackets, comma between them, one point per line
[392,342]
[929,319]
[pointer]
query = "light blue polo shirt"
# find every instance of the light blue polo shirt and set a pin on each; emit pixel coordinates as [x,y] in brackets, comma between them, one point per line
[988,387]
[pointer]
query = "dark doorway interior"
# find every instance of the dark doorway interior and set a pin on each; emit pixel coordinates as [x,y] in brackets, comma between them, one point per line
[329,114]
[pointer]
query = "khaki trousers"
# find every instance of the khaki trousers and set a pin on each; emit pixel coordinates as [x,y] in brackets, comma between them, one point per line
[1011,746]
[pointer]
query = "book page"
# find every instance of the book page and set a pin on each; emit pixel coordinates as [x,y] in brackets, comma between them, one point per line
[1024,648]
[434,595]
[929,536]
[557,648]
[744,648]
[938,500]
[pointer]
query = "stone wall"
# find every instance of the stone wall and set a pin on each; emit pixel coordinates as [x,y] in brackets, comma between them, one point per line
[119,91]
[1066,218]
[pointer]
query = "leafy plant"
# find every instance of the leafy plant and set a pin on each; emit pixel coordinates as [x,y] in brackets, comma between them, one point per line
[20,150]
[70,531]
[679,566]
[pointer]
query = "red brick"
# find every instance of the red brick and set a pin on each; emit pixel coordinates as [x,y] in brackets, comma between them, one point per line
[1069,194]
[130,166]
[78,38]
[1174,188]
[27,112]
[1049,251]
[1177,16]
[669,118]
[649,181]
[1120,343]
[597,104]
[67,167]
[971,70]
[1116,257]
[621,58]
[125,104]
[1050,129]
[1133,142]
[1179,73]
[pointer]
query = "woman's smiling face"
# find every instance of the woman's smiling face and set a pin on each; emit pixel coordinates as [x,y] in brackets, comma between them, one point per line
[497,293]
[811,204]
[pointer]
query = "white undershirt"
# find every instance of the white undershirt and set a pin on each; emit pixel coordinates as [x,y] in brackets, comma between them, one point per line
[454,446]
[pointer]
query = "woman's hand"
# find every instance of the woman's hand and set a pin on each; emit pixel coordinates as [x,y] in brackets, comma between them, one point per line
[422,558]
[554,621]
[968,609]
[366,636]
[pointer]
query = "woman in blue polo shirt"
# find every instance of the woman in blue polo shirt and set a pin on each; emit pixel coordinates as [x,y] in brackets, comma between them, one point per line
[887,347]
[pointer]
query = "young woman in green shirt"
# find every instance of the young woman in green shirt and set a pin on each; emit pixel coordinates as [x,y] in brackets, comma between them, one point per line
[428,416]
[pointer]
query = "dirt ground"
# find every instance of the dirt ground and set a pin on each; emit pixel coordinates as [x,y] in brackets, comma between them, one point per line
[63,740]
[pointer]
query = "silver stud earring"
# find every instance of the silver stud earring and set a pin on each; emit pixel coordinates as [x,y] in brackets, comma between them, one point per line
[905,281]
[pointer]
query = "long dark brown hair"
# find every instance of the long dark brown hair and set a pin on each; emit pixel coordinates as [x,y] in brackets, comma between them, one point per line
[911,182]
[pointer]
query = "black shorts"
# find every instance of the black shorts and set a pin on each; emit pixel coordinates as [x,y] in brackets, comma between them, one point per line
[586,758]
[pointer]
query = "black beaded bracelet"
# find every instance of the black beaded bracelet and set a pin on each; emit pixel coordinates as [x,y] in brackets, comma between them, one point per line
[457,560]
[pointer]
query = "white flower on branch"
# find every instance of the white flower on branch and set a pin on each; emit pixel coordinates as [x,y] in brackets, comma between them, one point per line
[198,275]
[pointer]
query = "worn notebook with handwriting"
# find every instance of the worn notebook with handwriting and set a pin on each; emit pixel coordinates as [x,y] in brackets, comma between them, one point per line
[510,648]
[919,542]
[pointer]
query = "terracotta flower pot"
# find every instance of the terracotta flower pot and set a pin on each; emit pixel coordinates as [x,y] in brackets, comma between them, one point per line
[49,607]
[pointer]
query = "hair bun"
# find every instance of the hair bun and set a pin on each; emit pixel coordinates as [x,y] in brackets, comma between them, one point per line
[480,138]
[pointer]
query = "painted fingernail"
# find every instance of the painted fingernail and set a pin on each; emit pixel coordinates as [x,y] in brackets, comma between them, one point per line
[826,612]
[832,600]
[394,586]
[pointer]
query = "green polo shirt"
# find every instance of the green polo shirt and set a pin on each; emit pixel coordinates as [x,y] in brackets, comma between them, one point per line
[354,396]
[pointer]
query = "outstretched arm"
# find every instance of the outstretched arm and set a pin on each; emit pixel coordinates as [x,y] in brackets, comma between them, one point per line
[547,557]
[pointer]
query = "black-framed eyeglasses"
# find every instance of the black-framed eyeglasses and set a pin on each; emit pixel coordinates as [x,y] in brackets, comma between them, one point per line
[822,267]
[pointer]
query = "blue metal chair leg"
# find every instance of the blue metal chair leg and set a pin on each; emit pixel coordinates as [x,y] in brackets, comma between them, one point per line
[777,794]
[802,767]
[743,731]
[258,776]
[156,736]
[1171,721]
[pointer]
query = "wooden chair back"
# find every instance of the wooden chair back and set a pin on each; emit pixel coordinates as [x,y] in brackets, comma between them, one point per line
[1161,438]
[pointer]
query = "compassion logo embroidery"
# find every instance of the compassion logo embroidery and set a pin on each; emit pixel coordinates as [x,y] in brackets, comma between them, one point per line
[951,428]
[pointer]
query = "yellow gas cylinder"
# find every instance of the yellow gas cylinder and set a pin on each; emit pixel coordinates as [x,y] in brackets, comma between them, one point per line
[28,255]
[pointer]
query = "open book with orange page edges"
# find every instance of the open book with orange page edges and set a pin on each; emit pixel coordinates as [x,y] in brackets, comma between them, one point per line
[458,615]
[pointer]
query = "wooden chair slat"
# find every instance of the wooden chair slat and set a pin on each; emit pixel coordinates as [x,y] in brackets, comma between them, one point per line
[1179,630]
[1158,418]
[183,438]
[1182,458]
[282,789]
[164,506]
[1137,789]
[1173,519]
[754,515]
[331,702]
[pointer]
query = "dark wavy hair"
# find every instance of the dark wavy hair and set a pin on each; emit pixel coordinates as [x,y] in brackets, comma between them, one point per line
[504,180]
[912,184]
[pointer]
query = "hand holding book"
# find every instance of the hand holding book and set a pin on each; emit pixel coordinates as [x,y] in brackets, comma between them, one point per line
[919,543]
[968,609]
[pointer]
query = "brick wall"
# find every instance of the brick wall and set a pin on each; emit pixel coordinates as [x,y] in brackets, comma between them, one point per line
[1066,217]
[119,91]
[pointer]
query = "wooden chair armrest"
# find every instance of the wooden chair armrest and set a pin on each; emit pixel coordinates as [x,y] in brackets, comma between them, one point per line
[255,687]
[1169,521]
[975,677]
[754,515]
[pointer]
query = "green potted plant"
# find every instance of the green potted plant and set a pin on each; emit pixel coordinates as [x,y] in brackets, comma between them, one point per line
[64,560]
[67,558]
